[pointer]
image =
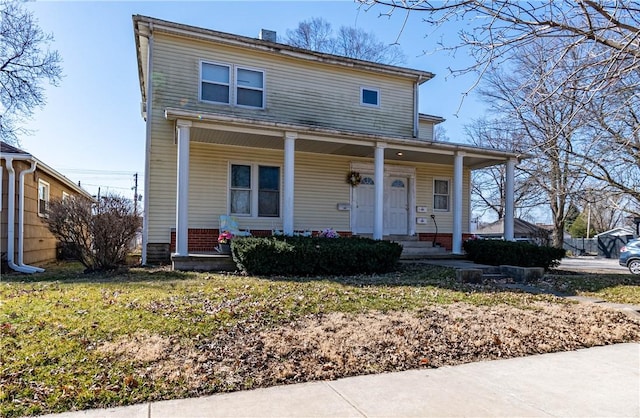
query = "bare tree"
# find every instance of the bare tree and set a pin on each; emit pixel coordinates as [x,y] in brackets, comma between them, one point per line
[314,34]
[550,120]
[607,83]
[317,34]
[98,233]
[25,62]
[488,184]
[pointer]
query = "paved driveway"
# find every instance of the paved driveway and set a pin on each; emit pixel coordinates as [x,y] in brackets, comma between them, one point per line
[586,264]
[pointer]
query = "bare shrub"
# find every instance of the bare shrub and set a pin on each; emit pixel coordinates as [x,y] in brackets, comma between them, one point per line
[96,233]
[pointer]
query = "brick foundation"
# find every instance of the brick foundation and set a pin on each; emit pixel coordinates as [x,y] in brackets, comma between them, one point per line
[445,240]
[205,240]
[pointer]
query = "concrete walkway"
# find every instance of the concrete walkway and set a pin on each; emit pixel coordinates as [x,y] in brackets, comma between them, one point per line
[594,382]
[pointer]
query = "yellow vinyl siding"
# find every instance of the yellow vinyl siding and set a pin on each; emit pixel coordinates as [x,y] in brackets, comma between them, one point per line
[425,174]
[319,186]
[296,91]
[425,131]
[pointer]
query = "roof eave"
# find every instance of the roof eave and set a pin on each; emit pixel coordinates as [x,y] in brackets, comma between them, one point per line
[274,47]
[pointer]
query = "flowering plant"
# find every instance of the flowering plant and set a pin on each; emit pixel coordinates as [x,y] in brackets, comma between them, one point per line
[328,233]
[225,237]
[354,178]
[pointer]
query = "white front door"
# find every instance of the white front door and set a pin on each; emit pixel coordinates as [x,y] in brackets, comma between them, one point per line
[396,207]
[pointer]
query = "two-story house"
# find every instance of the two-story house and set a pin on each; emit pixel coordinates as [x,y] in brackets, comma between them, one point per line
[269,133]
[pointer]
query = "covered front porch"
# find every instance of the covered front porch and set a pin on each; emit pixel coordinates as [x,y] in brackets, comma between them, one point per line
[381,159]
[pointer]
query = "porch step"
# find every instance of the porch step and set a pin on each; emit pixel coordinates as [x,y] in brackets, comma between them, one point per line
[414,249]
[203,262]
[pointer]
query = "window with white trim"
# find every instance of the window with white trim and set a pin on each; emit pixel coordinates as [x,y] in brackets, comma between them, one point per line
[254,190]
[369,97]
[230,84]
[215,82]
[65,195]
[441,195]
[249,88]
[43,197]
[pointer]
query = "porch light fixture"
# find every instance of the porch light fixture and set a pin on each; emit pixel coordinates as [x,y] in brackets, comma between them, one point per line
[399,154]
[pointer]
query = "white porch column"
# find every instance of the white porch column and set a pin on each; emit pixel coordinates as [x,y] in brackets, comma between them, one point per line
[457,203]
[289,177]
[182,196]
[378,209]
[508,200]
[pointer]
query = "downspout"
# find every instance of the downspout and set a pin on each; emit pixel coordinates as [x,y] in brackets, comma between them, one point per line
[416,104]
[23,173]
[147,157]
[11,218]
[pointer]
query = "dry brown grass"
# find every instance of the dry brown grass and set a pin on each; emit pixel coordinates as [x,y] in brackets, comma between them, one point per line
[333,345]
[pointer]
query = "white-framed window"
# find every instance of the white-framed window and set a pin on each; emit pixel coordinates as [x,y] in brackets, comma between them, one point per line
[254,190]
[229,84]
[369,97]
[215,82]
[441,193]
[249,87]
[65,195]
[43,197]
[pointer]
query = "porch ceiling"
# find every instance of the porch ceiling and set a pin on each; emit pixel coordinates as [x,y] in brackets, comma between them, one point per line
[392,153]
[223,130]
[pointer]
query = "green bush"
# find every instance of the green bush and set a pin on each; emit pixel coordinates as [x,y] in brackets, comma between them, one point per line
[305,256]
[523,254]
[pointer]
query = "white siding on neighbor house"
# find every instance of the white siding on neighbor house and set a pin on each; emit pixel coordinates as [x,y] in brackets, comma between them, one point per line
[296,91]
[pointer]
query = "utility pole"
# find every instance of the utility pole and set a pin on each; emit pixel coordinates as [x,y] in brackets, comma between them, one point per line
[135,193]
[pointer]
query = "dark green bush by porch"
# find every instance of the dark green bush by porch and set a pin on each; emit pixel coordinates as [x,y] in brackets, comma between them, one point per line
[523,254]
[313,256]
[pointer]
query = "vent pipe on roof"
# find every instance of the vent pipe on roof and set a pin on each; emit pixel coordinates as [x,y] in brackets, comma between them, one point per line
[267,35]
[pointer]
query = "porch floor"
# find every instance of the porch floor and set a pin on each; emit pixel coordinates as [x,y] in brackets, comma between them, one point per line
[203,261]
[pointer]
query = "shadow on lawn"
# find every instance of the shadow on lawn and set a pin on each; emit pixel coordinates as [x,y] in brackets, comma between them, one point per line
[571,283]
[73,272]
[555,282]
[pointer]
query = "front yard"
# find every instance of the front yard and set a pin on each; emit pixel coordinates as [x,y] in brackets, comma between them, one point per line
[71,341]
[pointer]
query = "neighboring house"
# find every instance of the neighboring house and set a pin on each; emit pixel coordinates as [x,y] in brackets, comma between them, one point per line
[27,187]
[269,133]
[522,231]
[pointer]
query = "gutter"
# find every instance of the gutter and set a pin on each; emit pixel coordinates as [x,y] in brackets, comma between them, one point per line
[416,103]
[148,121]
[21,264]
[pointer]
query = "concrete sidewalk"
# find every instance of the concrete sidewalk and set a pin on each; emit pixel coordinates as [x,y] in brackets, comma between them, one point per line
[594,382]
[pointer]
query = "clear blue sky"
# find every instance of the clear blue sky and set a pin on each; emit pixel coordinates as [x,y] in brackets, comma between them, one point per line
[90,128]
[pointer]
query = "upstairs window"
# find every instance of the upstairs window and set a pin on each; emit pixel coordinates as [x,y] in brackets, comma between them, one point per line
[440,195]
[249,88]
[215,83]
[369,97]
[229,84]
[43,197]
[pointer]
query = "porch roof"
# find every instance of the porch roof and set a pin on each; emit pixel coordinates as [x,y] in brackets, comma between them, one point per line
[232,130]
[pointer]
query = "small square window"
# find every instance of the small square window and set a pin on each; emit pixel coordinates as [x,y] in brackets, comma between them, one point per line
[369,97]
